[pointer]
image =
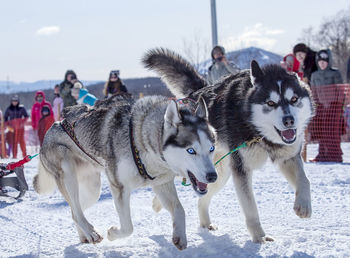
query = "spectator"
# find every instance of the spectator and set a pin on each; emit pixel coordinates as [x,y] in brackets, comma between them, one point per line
[306,58]
[57,104]
[36,110]
[66,87]
[220,67]
[114,85]
[82,95]
[45,122]
[292,65]
[329,121]
[15,118]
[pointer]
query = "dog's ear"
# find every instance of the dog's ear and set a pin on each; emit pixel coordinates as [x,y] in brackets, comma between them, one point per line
[255,72]
[202,110]
[172,115]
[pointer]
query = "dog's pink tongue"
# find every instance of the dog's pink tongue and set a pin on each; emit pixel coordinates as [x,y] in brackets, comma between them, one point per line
[288,134]
[201,186]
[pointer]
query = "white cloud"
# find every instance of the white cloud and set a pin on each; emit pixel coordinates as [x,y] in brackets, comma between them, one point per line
[48,30]
[257,35]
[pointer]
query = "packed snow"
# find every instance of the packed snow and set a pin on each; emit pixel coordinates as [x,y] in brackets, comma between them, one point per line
[41,226]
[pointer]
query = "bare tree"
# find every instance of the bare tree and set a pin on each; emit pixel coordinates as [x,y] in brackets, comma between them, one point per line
[308,37]
[196,50]
[335,34]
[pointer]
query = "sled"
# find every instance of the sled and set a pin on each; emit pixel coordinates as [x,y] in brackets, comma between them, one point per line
[18,181]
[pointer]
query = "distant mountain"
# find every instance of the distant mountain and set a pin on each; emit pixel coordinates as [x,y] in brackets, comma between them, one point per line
[243,57]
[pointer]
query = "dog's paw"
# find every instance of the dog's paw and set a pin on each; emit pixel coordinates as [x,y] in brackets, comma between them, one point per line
[156,205]
[114,233]
[210,226]
[262,240]
[93,238]
[180,242]
[302,207]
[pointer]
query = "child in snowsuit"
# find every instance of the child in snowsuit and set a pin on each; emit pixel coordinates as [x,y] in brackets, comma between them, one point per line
[45,122]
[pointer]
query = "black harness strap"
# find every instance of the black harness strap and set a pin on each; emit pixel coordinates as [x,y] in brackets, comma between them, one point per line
[68,128]
[135,153]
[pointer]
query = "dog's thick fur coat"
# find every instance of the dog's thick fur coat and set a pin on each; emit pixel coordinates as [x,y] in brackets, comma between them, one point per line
[163,133]
[268,103]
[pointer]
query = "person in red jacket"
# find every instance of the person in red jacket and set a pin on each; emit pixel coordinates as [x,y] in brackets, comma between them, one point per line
[291,64]
[45,122]
[36,109]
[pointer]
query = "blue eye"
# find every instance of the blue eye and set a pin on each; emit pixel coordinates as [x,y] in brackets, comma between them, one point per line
[212,148]
[191,151]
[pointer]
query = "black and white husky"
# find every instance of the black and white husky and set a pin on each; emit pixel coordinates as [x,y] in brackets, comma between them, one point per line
[266,103]
[146,143]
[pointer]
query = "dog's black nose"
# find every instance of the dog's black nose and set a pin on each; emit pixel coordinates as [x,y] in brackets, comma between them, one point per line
[288,121]
[211,177]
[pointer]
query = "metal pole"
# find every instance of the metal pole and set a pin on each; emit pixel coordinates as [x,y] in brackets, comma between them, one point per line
[214,31]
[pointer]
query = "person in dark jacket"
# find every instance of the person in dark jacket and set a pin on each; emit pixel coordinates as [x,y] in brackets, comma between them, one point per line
[114,85]
[306,58]
[328,125]
[45,122]
[66,88]
[220,67]
[15,118]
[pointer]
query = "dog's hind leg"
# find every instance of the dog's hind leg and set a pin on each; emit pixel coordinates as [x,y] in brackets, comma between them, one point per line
[243,183]
[167,195]
[293,170]
[213,188]
[69,187]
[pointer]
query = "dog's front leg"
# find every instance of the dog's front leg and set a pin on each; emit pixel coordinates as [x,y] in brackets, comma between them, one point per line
[293,170]
[167,195]
[121,197]
[244,189]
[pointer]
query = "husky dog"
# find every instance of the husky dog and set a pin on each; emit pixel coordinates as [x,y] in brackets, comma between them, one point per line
[267,104]
[164,138]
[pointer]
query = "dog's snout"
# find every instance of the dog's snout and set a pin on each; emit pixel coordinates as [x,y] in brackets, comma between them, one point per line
[211,177]
[288,121]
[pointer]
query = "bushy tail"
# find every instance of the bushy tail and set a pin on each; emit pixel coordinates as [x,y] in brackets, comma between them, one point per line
[44,182]
[178,74]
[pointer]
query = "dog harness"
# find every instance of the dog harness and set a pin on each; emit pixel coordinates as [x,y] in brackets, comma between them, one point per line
[69,129]
[135,154]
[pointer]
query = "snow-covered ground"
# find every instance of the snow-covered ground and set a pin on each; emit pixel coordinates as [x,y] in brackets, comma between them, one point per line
[41,226]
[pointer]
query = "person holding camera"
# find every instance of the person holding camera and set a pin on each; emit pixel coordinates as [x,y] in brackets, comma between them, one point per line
[66,88]
[220,67]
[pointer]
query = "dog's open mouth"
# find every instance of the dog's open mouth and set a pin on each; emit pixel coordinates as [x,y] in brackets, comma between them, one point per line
[288,136]
[199,187]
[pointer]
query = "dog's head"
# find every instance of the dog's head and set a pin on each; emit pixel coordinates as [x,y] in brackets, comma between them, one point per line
[281,104]
[188,143]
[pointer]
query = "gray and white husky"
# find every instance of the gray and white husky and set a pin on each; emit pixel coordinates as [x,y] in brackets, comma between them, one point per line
[170,140]
[266,103]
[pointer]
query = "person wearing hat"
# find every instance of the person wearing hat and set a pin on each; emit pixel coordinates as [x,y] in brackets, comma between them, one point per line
[329,120]
[306,58]
[66,88]
[220,67]
[15,118]
[114,85]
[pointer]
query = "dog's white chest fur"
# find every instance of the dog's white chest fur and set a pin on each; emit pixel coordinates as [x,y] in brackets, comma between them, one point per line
[254,156]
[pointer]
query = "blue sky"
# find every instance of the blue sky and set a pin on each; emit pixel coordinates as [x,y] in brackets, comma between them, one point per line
[41,39]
